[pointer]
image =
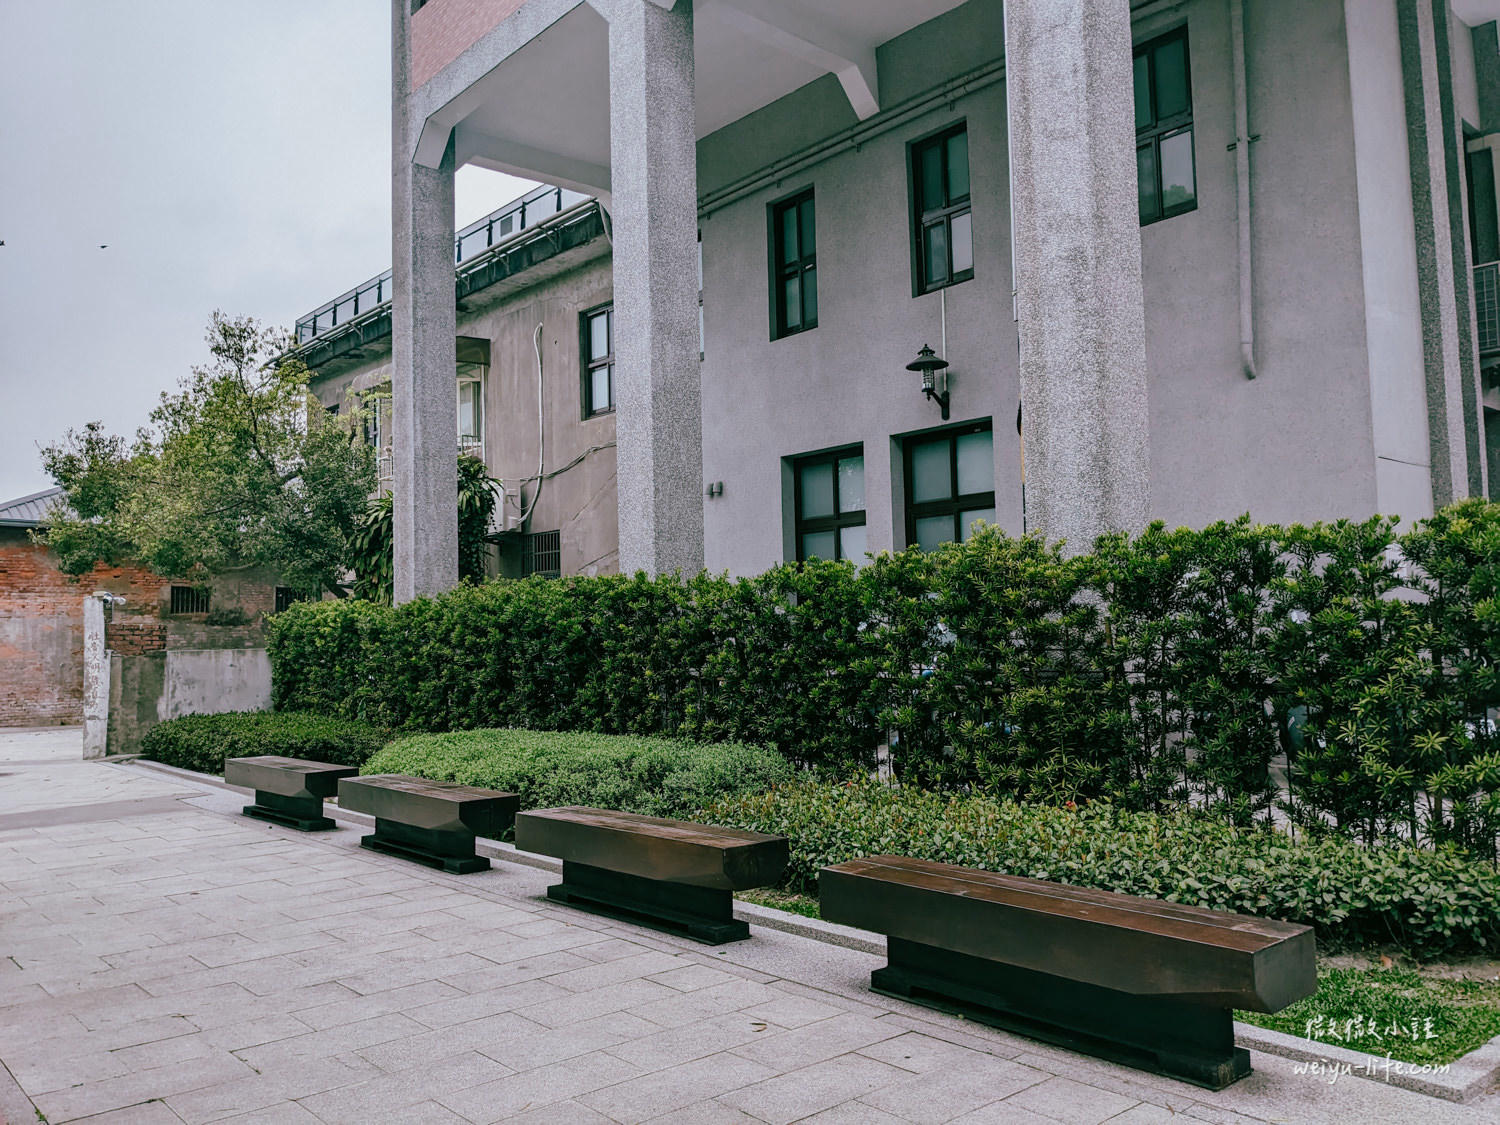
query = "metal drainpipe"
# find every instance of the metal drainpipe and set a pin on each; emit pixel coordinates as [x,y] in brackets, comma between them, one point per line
[1242,182]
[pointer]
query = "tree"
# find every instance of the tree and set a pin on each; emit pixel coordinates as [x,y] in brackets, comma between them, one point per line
[238,467]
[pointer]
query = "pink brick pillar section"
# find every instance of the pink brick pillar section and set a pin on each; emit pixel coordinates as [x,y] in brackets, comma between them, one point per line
[441,30]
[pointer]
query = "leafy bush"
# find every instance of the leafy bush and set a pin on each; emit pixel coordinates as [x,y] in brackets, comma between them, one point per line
[654,776]
[1430,902]
[202,742]
[1160,671]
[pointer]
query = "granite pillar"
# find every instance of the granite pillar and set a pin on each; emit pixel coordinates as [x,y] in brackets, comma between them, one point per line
[1077,248]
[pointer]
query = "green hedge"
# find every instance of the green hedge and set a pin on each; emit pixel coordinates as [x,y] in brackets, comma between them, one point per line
[1161,670]
[1431,903]
[654,776]
[202,742]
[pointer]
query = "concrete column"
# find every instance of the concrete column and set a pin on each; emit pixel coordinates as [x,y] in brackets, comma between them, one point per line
[1077,248]
[95,675]
[424,441]
[654,180]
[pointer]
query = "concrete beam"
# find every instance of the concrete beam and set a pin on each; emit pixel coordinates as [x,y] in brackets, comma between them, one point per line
[500,155]
[654,177]
[789,28]
[1077,249]
[424,443]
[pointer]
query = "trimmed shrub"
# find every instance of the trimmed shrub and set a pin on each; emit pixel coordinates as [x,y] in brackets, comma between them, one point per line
[1431,903]
[653,776]
[202,742]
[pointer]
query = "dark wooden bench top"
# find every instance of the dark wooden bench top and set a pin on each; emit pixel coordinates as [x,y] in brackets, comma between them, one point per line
[650,847]
[286,777]
[439,806]
[1136,945]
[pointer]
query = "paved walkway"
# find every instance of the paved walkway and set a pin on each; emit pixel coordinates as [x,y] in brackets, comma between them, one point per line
[164,960]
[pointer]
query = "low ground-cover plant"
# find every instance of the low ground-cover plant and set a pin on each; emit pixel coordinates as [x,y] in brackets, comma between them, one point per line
[654,776]
[202,742]
[1411,1016]
[1428,902]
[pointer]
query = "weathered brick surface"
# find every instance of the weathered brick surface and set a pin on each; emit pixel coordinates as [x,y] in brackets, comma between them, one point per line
[443,29]
[41,628]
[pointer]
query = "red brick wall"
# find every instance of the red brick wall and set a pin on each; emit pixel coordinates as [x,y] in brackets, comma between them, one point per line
[442,30]
[41,628]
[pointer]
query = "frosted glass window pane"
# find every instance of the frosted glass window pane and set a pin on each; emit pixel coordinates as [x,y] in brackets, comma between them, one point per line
[958,166]
[1170,65]
[809,241]
[936,253]
[1145,166]
[789,252]
[852,543]
[817,491]
[700,330]
[966,521]
[934,531]
[599,336]
[810,297]
[963,243]
[976,463]
[600,392]
[793,300]
[931,473]
[852,484]
[1177,182]
[700,263]
[818,545]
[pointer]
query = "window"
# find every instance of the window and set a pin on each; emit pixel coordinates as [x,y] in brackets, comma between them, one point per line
[950,483]
[541,553]
[830,505]
[286,596]
[700,295]
[794,266]
[598,361]
[1484,219]
[1164,128]
[942,227]
[471,408]
[189,599]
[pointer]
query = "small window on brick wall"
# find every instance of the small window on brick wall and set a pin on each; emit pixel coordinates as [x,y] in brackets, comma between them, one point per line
[285,596]
[541,553]
[189,599]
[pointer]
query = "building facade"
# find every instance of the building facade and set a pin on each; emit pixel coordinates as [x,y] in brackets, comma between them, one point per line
[1182,260]
[531,383]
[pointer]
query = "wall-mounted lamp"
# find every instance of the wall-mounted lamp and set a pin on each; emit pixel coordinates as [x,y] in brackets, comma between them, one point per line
[929,363]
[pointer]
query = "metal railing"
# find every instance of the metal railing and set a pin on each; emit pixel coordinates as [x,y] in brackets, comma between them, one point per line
[1487,306]
[476,238]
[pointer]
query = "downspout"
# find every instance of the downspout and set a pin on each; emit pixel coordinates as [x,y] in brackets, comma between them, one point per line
[1242,140]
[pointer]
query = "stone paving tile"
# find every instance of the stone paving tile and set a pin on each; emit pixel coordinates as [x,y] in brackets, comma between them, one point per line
[274,1087]
[946,1092]
[789,1097]
[693,1041]
[386,1097]
[815,1042]
[503,1099]
[663,1091]
[525,1047]
[563,1113]
[1074,1103]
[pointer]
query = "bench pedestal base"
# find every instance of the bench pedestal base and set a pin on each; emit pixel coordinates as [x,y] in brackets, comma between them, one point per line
[697,912]
[452,852]
[1190,1042]
[302,813]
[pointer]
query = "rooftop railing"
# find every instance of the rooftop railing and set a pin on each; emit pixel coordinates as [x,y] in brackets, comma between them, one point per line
[473,240]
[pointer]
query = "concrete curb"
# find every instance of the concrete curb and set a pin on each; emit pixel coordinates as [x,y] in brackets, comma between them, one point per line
[1465,1078]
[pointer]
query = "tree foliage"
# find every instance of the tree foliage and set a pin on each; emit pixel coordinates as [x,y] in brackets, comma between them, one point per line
[238,467]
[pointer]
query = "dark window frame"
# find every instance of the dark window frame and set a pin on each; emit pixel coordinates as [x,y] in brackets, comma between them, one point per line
[923,217]
[838,520]
[1161,129]
[781,269]
[188,599]
[539,548]
[589,365]
[957,503]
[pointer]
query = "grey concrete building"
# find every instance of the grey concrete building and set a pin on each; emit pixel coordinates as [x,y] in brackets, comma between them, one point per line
[1181,258]
[530,381]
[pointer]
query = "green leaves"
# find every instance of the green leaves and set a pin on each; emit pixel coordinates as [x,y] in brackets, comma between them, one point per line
[203,742]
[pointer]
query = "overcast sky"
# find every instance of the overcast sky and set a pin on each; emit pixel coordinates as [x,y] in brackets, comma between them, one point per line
[231,155]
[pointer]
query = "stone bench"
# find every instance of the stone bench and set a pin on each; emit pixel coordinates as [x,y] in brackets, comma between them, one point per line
[288,791]
[429,822]
[668,874]
[1146,983]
